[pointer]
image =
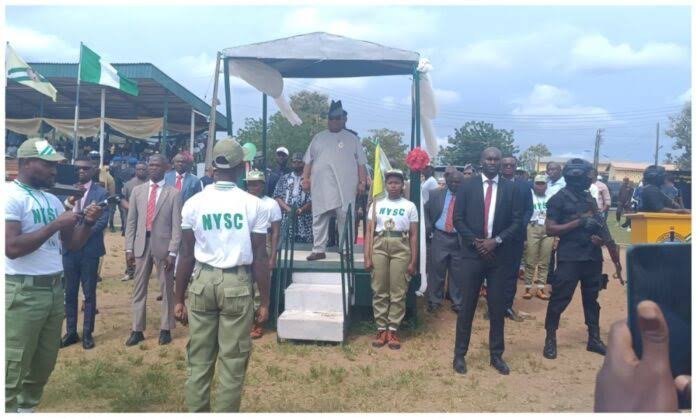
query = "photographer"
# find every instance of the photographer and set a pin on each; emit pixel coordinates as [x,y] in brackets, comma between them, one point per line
[36,227]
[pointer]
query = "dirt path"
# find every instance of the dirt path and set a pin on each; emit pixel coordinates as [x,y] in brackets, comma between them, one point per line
[322,378]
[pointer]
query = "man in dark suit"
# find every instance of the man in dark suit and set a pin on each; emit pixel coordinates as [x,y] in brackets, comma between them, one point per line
[488,218]
[81,266]
[181,179]
[508,171]
[445,252]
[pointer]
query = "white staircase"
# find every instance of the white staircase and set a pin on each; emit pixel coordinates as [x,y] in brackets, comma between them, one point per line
[313,308]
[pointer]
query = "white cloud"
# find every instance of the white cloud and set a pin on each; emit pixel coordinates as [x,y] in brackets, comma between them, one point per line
[684,97]
[596,53]
[32,45]
[338,84]
[550,105]
[445,97]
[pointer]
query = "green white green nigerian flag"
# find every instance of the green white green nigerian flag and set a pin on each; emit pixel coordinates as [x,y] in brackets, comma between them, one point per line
[21,72]
[93,69]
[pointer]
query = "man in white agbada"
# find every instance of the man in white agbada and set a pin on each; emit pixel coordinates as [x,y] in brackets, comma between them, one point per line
[334,173]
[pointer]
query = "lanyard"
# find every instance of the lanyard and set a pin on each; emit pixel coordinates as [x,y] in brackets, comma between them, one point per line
[29,192]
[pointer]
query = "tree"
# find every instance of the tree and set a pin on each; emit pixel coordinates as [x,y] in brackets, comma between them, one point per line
[467,143]
[680,131]
[311,107]
[531,156]
[392,145]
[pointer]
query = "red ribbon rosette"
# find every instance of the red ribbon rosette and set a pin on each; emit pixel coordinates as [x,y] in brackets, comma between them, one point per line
[417,159]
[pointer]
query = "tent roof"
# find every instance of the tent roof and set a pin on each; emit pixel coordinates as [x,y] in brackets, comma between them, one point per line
[24,102]
[323,55]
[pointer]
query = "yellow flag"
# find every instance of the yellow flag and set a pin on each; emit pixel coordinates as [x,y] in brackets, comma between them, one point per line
[19,71]
[381,166]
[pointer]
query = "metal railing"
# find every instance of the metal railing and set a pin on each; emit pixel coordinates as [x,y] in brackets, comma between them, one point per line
[284,260]
[345,251]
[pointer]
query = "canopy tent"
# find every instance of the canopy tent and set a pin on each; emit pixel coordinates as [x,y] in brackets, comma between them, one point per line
[323,55]
[161,98]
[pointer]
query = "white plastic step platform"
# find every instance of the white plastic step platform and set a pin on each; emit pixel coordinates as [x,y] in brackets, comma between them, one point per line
[311,326]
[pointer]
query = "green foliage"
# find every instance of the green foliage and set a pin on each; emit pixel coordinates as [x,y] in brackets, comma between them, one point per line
[529,157]
[311,107]
[392,145]
[680,131]
[467,143]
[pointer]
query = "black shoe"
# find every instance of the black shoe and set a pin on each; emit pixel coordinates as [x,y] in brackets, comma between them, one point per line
[112,229]
[511,314]
[459,364]
[595,344]
[99,279]
[135,338]
[159,298]
[87,341]
[165,337]
[69,339]
[499,364]
[433,307]
[455,308]
[550,345]
[486,315]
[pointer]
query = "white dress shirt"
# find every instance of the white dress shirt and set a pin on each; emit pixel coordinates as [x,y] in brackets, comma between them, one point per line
[554,187]
[160,184]
[491,209]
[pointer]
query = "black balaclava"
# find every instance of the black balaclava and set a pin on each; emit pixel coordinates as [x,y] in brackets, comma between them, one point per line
[576,174]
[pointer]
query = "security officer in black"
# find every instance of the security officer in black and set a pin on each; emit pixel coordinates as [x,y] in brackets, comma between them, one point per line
[572,215]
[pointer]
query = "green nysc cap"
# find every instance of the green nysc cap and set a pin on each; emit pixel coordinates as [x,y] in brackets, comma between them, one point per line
[255,175]
[39,148]
[227,153]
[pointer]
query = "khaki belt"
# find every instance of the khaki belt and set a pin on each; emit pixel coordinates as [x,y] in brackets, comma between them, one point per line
[46,281]
[393,234]
[235,269]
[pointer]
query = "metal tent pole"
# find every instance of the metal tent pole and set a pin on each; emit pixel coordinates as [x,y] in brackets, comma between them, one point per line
[163,142]
[101,128]
[193,130]
[264,137]
[228,102]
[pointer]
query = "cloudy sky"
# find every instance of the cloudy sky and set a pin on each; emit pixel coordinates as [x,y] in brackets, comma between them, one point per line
[553,74]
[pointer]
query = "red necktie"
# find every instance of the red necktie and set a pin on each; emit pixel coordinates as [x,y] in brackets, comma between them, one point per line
[151,203]
[178,182]
[449,226]
[487,206]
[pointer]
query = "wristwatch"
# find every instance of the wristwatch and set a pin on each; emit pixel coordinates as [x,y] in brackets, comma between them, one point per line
[498,240]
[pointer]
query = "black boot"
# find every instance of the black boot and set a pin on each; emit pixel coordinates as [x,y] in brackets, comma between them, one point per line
[595,343]
[550,344]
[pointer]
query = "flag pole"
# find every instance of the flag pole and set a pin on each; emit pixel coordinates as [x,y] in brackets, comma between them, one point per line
[77,109]
[101,128]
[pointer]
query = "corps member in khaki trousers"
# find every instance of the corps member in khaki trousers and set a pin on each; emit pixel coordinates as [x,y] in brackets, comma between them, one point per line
[391,251]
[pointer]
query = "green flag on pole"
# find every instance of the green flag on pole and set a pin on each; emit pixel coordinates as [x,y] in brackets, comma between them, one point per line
[21,72]
[93,69]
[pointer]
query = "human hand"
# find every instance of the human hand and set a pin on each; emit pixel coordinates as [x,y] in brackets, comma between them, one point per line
[169,263]
[368,264]
[67,220]
[272,262]
[306,185]
[488,246]
[92,213]
[628,384]
[180,313]
[261,314]
[596,240]
[411,269]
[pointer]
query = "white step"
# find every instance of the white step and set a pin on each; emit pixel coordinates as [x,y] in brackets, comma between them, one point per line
[312,326]
[316,277]
[314,297]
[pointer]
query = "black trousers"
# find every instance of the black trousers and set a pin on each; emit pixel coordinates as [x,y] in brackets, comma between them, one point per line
[79,269]
[445,255]
[568,274]
[472,272]
[516,251]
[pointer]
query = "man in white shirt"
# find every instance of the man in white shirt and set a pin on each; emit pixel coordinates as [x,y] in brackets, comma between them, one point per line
[36,230]
[224,235]
[556,182]
[429,184]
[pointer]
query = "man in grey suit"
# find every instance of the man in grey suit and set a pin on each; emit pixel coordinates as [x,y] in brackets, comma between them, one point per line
[153,233]
[445,252]
[181,179]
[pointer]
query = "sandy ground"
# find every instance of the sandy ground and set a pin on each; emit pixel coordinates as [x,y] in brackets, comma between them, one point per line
[321,378]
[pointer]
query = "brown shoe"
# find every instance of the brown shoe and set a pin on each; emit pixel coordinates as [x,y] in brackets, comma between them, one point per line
[316,256]
[381,338]
[542,295]
[256,332]
[393,341]
[527,293]
[483,292]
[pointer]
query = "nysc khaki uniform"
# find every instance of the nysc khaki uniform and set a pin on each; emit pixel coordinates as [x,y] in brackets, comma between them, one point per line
[391,253]
[220,310]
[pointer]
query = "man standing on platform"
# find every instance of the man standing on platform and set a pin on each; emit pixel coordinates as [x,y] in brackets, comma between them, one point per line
[273,175]
[488,219]
[153,233]
[334,172]
[444,244]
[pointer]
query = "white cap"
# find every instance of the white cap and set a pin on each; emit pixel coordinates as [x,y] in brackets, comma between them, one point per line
[599,177]
[283,150]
